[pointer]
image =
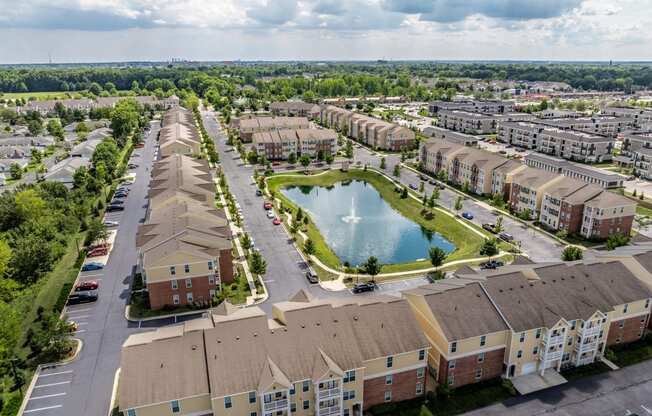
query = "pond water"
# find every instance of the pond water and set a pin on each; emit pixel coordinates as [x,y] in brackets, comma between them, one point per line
[357,222]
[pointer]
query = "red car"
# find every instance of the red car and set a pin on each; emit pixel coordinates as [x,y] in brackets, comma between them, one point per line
[87,285]
[99,251]
[93,247]
[276,221]
[267,205]
[139,145]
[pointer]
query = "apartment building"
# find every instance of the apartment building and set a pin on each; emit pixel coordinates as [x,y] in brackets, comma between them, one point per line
[485,106]
[528,322]
[557,113]
[178,138]
[475,168]
[313,142]
[601,125]
[607,214]
[635,140]
[295,109]
[568,144]
[336,357]
[643,163]
[501,180]
[368,130]
[249,126]
[476,123]
[279,144]
[562,207]
[639,116]
[584,173]
[45,107]
[437,155]
[528,187]
[450,135]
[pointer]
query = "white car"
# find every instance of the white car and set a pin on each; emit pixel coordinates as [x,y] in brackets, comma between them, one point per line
[270,214]
[111,223]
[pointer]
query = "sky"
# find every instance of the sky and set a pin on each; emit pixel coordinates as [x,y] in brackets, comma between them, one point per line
[34,31]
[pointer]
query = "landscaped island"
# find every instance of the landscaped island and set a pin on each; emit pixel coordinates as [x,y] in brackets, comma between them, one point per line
[371,219]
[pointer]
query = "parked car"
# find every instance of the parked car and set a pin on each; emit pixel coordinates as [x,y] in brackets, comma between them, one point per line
[82,297]
[270,214]
[312,277]
[276,164]
[92,266]
[120,195]
[491,264]
[413,186]
[432,182]
[506,237]
[423,178]
[112,208]
[117,202]
[488,227]
[267,205]
[441,185]
[277,221]
[132,166]
[96,252]
[259,192]
[364,287]
[139,145]
[111,223]
[87,285]
[467,215]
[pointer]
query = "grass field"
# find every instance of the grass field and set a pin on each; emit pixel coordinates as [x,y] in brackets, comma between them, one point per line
[41,95]
[467,242]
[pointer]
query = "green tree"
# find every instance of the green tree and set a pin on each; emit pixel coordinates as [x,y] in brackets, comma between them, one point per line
[572,253]
[329,159]
[397,170]
[81,127]
[10,330]
[258,265]
[497,200]
[498,227]
[124,119]
[459,204]
[15,171]
[96,231]
[383,164]
[35,127]
[421,187]
[489,247]
[106,153]
[292,158]
[55,129]
[309,247]
[437,256]
[245,241]
[348,151]
[372,267]
[617,240]
[305,161]
[95,88]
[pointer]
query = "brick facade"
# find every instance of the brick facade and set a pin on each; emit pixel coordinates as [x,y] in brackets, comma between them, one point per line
[466,368]
[609,226]
[403,387]
[226,266]
[162,293]
[632,330]
[571,217]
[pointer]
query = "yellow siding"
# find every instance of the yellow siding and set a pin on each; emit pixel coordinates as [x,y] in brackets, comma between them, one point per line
[189,405]
[378,366]
[471,345]
[198,267]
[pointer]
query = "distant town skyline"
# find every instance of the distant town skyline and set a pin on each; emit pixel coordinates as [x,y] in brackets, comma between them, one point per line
[36,31]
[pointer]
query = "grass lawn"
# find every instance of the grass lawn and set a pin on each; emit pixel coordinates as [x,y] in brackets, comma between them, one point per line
[641,210]
[628,354]
[51,95]
[467,243]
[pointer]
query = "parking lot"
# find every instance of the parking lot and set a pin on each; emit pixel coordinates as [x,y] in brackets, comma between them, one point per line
[50,389]
[503,149]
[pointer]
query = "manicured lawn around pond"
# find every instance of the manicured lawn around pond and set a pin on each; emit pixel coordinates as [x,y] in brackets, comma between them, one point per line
[467,242]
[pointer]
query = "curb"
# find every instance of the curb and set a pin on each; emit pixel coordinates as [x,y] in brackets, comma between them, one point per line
[129,318]
[114,391]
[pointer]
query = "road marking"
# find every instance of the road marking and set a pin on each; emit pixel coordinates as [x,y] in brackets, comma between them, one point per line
[47,396]
[80,331]
[649,412]
[52,384]
[82,323]
[91,275]
[78,310]
[43,408]
[269,281]
[55,374]
[81,316]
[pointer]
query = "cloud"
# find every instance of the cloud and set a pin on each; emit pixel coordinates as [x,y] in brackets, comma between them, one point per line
[274,12]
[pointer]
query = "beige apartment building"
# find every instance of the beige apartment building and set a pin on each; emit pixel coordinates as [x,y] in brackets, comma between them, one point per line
[478,106]
[311,357]
[249,126]
[295,109]
[607,214]
[475,167]
[528,322]
[450,135]
[178,134]
[279,144]
[476,123]
[528,187]
[501,180]
[584,173]
[639,116]
[602,125]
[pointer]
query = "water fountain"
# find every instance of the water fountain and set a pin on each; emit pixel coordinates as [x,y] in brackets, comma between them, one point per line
[351,218]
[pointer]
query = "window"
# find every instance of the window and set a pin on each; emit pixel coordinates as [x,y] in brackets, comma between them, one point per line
[252,397]
[483,340]
[389,379]
[388,396]
[647,303]
[478,373]
[173,270]
[211,279]
[292,390]
[227,402]
[522,338]
[175,284]
[481,357]
[189,297]
[573,325]
[422,355]
[535,350]
[390,362]
[621,324]
[293,407]
[451,365]
[131,412]
[188,283]
[306,386]
[186,268]
[349,395]
[210,265]
[306,404]
[174,405]
[538,335]
[419,389]
[625,308]
[346,412]
[349,376]
[421,372]
[253,414]
[175,299]
[453,346]
[451,379]
[519,354]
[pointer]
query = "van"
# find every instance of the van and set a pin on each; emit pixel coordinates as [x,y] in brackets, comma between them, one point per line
[506,237]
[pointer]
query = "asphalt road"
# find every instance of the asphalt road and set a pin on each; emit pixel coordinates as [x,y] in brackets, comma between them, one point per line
[538,246]
[84,386]
[627,391]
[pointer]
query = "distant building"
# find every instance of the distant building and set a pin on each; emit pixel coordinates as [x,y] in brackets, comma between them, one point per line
[450,135]
[476,123]
[249,126]
[584,173]
[477,106]
[295,109]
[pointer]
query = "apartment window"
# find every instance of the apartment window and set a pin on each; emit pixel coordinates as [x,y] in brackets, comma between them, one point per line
[346,412]
[188,283]
[522,338]
[175,284]
[175,299]
[349,376]
[538,334]
[647,303]
[388,396]
[535,350]
[421,372]
[210,265]
[349,395]
[519,354]
[227,402]
[306,386]
[252,397]
[174,405]
[453,346]
[390,362]
[211,279]
[131,412]
[189,297]
[253,414]
[173,270]
[483,340]
[422,355]
[478,373]
[306,404]
[570,340]
[419,389]
[451,365]
[573,325]
[186,268]
[389,379]
[621,324]
[481,357]
[451,380]
[293,407]
[625,308]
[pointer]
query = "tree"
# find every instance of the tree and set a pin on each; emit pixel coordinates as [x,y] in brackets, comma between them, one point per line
[55,129]
[397,170]
[617,240]
[81,127]
[526,214]
[497,200]
[305,161]
[349,149]
[95,88]
[383,164]
[252,158]
[258,265]
[124,118]
[292,158]
[329,159]
[499,224]
[309,247]
[106,154]
[404,192]
[437,256]
[572,253]
[442,175]
[489,247]
[245,241]
[96,231]
[458,203]
[421,187]
[15,171]
[9,332]
[371,267]
[35,127]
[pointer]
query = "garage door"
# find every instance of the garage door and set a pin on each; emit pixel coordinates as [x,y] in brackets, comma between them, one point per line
[528,368]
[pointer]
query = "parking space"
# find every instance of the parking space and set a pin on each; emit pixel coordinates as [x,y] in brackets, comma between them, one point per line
[502,148]
[49,393]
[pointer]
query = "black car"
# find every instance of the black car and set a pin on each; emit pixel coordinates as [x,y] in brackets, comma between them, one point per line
[312,277]
[492,264]
[116,202]
[488,227]
[259,192]
[432,182]
[82,297]
[364,287]
[112,208]
[120,195]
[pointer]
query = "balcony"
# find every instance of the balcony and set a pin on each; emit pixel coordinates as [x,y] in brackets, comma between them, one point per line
[281,404]
[551,355]
[589,332]
[326,411]
[329,393]
[585,347]
[553,340]
[585,360]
